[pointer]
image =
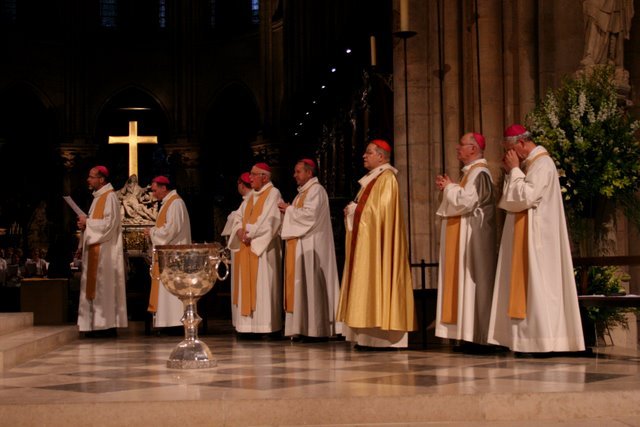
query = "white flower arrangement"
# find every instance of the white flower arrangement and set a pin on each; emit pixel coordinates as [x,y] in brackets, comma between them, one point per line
[591,139]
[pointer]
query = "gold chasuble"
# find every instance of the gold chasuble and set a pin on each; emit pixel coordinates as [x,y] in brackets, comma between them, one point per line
[155,281]
[93,254]
[290,259]
[377,289]
[520,260]
[247,263]
[452,262]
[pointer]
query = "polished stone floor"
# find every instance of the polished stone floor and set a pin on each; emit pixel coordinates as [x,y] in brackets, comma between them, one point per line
[324,379]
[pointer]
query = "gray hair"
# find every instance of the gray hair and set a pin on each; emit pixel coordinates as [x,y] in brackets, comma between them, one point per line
[385,154]
[513,139]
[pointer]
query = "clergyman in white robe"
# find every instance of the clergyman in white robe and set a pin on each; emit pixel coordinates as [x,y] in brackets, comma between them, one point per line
[550,321]
[263,238]
[226,232]
[315,279]
[472,204]
[176,231]
[109,308]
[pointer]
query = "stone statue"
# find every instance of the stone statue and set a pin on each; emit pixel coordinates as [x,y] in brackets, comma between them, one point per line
[138,205]
[607,25]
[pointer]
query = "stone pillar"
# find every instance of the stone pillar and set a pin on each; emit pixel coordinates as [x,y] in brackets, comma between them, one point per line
[184,160]
[487,115]
[520,59]
[632,63]
[415,199]
[74,159]
[264,150]
[464,93]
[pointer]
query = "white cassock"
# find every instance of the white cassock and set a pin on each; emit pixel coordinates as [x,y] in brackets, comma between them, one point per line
[316,284]
[176,231]
[226,232]
[474,203]
[266,244]
[109,308]
[552,321]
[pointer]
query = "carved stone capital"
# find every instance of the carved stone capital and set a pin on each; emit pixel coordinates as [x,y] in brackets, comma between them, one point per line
[187,155]
[71,155]
[265,150]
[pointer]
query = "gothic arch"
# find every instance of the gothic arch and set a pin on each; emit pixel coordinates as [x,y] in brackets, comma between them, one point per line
[28,135]
[231,123]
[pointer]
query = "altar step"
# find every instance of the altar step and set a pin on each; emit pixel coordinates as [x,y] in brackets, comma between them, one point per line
[20,341]
[617,408]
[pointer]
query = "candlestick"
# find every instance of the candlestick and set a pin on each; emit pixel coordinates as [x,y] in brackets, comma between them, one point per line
[404,15]
[374,58]
[404,35]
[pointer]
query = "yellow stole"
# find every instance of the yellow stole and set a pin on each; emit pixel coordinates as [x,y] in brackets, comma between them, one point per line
[361,201]
[93,252]
[247,264]
[520,261]
[155,268]
[290,258]
[451,262]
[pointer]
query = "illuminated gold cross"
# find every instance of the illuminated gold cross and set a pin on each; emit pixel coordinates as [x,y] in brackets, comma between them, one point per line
[133,140]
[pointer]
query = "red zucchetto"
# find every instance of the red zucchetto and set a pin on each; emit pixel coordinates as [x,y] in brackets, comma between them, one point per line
[245,177]
[515,130]
[382,144]
[162,180]
[310,163]
[479,139]
[263,167]
[103,170]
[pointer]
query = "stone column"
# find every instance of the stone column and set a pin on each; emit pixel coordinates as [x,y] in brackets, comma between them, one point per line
[184,160]
[264,150]
[75,160]
[520,59]
[486,114]
[415,203]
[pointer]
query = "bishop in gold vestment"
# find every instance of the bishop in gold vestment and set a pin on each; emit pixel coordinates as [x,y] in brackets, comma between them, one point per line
[376,298]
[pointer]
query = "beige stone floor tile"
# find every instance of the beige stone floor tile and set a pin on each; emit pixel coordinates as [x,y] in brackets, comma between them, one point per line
[317,380]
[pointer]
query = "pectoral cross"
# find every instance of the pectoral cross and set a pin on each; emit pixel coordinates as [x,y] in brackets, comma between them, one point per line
[133,140]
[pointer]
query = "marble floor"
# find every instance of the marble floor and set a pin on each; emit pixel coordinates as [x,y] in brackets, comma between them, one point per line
[279,382]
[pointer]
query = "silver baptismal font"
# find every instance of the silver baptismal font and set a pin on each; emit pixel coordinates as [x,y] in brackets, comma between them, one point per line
[189,272]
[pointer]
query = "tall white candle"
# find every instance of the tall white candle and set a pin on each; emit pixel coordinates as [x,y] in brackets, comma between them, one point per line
[404,15]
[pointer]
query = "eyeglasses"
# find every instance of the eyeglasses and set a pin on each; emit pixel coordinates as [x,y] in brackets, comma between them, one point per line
[93,176]
[256,173]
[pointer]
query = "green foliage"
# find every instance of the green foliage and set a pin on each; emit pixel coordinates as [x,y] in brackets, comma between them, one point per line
[607,280]
[592,141]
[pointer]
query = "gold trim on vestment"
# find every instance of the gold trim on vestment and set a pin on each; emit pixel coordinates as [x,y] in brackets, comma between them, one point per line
[290,259]
[519,278]
[452,261]
[155,275]
[247,261]
[93,251]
